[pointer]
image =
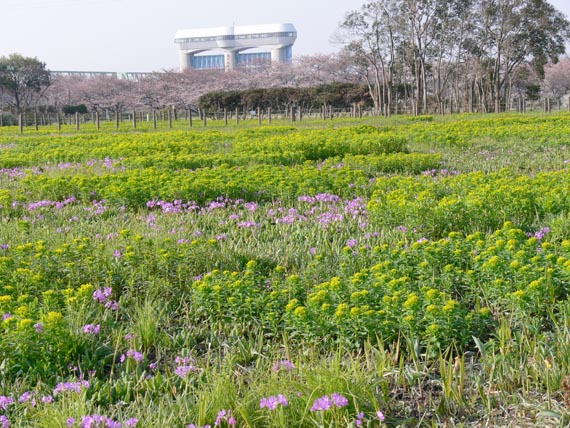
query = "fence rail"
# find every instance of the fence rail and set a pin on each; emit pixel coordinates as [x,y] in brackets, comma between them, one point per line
[172,116]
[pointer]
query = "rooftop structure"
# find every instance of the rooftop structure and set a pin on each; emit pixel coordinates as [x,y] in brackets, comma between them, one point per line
[278,39]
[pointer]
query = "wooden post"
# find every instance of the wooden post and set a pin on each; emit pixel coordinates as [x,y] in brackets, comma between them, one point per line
[258,116]
[548,105]
[77,121]
[174,113]
[269,115]
[237,116]
[134,119]
[1,118]
[190,117]
[97,120]
[58,121]
[300,113]
[153,118]
[170,118]
[292,114]
[205,118]
[36,120]
[225,116]
[21,123]
[117,119]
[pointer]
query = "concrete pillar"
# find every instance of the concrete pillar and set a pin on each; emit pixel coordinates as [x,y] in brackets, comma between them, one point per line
[230,60]
[278,55]
[185,60]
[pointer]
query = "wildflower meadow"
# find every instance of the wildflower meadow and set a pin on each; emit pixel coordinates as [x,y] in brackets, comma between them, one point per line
[401,272]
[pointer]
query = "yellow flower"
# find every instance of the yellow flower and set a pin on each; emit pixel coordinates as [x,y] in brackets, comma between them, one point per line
[411,301]
[25,323]
[300,312]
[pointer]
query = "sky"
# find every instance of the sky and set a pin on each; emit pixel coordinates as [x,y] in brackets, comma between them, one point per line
[138,35]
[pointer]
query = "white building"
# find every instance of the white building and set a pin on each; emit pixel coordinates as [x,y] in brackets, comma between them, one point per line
[276,41]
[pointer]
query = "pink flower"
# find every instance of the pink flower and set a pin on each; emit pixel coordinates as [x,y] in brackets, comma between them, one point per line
[272,402]
[322,403]
[93,329]
[380,416]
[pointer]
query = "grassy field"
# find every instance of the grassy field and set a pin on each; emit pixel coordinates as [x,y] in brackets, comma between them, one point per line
[366,272]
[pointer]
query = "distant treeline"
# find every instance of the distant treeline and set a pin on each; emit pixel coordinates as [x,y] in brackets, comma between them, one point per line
[336,95]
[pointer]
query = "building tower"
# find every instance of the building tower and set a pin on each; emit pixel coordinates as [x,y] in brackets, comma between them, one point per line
[275,41]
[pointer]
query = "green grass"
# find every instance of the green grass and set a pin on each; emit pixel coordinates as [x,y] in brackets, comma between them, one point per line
[437,297]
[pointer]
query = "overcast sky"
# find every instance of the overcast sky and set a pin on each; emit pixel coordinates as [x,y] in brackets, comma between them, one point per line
[138,35]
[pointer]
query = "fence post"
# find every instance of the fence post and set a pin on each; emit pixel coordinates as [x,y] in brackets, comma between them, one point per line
[292,114]
[134,119]
[204,118]
[269,115]
[170,118]
[258,116]
[21,123]
[237,116]
[548,104]
[225,116]
[190,117]
[36,120]
[77,121]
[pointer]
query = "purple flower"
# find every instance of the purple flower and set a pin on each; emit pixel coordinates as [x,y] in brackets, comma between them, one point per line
[272,402]
[93,329]
[39,327]
[322,403]
[380,416]
[102,294]
[351,243]
[339,400]
[71,386]
[131,353]
[183,371]
[221,416]
[48,399]
[25,397]
[131,422]
[5,402]
[247,224]
[70,422]
[113,305]
[6,316]
[359,419]
[286,364]
[226,415]
[325,402]
[4,421]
